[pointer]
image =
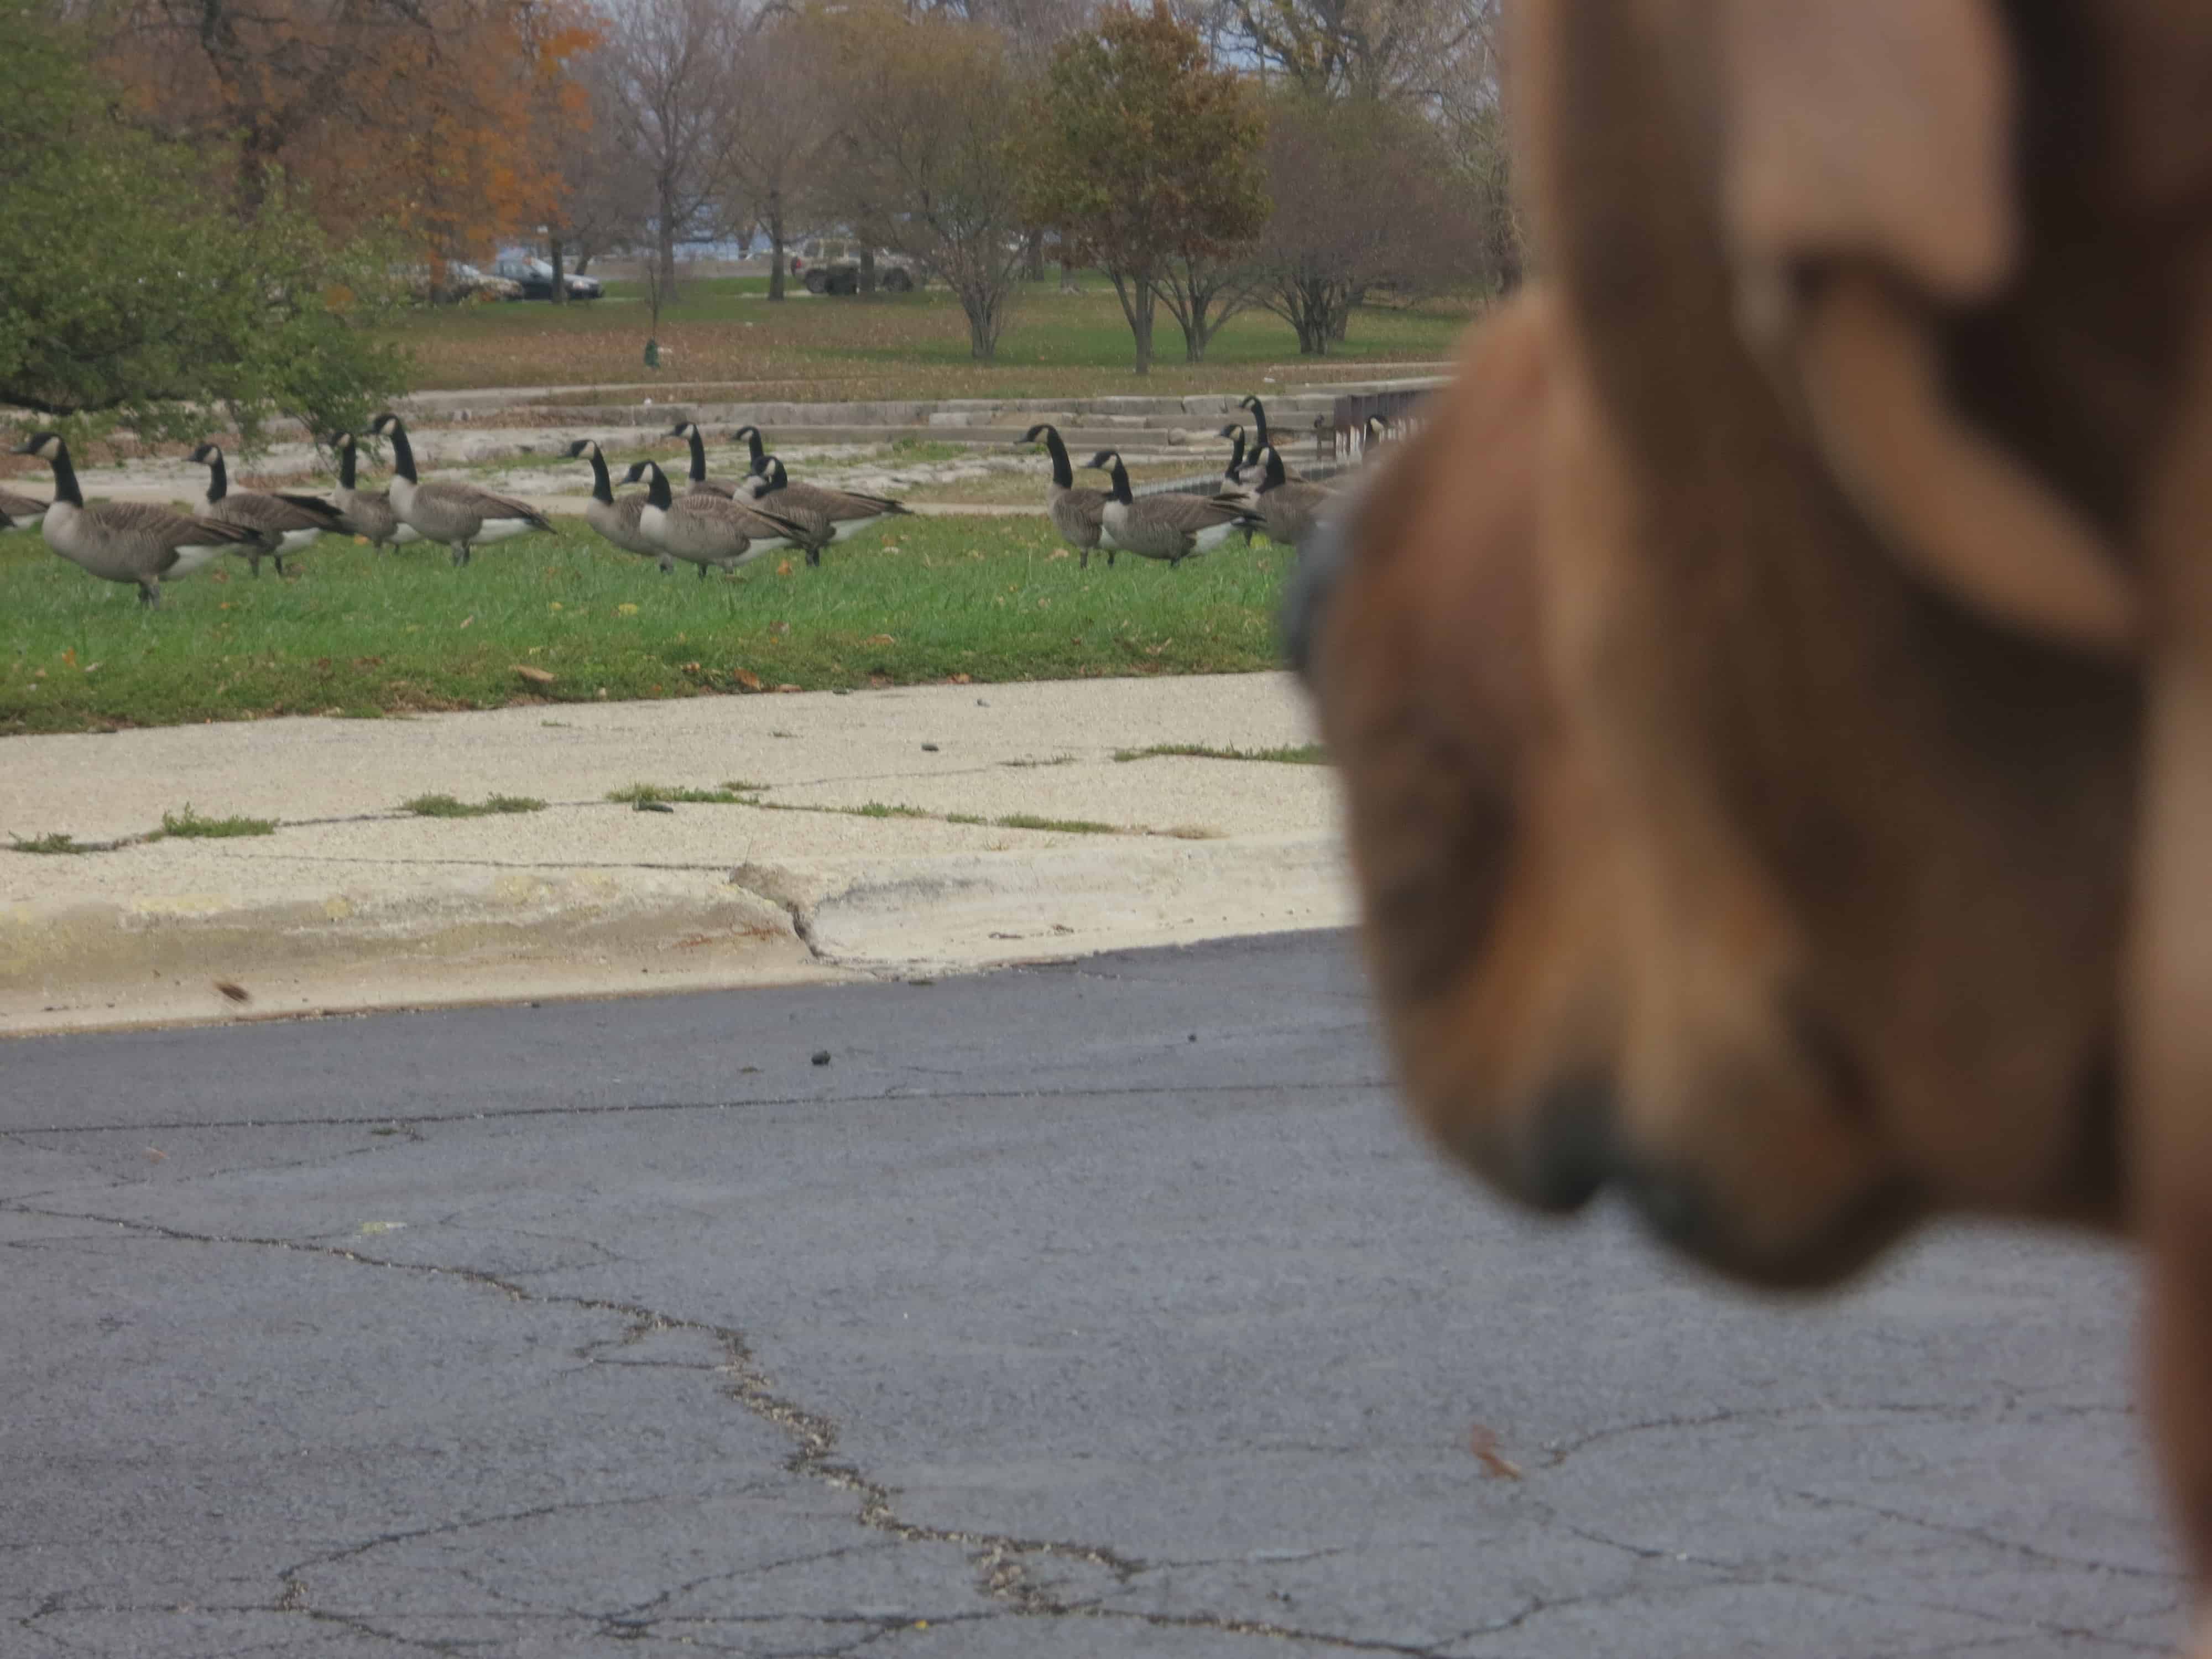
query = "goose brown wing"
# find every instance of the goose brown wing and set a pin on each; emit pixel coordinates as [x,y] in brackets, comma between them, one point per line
[855,504]
[1192,513]
[167,526]
[273,514]
[12,506]
[468,498]
[315,506]
[709,487]
[1079,513]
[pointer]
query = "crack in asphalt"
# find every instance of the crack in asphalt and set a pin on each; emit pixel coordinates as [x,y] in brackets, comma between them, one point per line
[1002,1562]
[377,1119]
[1742,1573]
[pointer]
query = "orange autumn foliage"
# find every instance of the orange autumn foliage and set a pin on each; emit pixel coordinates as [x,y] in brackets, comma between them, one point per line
[427,115]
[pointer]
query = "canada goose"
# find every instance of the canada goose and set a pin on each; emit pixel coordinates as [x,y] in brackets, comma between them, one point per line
[20,511]
[1287,511]
[1076,512]
[707,530]
[849,511]
[798,504]
[617,521]
[367,512]
[457,515]
[125,541]
[285,523]
[1260,438]
[701,483]
[1171,527]
[1238,474]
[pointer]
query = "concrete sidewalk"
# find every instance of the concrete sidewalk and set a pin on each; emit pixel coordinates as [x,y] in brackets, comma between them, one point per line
[900,832]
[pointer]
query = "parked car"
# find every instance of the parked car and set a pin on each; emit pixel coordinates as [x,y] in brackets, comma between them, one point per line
[460,284]
[831,264]
[535,278]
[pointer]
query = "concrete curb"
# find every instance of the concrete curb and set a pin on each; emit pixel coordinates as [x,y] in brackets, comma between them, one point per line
[512,935]
[523,935]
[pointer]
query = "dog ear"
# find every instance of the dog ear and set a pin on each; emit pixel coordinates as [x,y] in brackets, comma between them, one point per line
[1866,184]
[1873,129]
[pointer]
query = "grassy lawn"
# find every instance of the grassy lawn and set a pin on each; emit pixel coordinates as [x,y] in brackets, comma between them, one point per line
[722,333]
[565,619]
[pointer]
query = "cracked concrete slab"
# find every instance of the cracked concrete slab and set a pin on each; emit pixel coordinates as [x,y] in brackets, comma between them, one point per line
[899,831]
[1107,1308]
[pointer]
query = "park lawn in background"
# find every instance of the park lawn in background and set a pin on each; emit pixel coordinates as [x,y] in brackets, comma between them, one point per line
[890,346]
[358,633]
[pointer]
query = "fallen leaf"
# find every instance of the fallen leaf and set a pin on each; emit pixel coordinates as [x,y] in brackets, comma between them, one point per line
[155,1154]
[872,638]
[625,610]
[466,620]
[535,676]
[746,677]
[235,992]
[789,688]
[1483,1443]
[783,567]
[961,680]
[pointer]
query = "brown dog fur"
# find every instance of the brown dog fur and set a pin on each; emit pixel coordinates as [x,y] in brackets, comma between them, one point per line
[1775,690]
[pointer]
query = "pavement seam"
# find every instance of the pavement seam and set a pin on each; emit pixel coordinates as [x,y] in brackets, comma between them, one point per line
[1001,1560]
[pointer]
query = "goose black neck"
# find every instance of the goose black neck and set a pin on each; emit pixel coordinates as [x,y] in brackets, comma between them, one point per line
[698,457]
[1236,454]
[1259,424]
[218,480]
[402,453]
[1120,476]
[345,465]
[1063,475]
[1274,480]
[656,487]
[773,475]
[602,488]
[758,449]
[66,488]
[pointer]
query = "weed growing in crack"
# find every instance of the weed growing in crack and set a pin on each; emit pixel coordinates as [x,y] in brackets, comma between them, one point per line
[1299,754]
[449,806]
[56,842]
[735,793]
[189,825]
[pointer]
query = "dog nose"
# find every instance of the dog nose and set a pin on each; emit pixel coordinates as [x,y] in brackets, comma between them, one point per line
[1569,1152]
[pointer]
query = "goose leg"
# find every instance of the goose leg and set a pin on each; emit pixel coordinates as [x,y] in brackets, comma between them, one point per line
[1082,560]
[150,596]
[813,556]
[278,559]
[702,573]
[1109,558]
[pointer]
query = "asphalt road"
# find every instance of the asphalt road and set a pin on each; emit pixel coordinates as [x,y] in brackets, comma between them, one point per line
[1098,1310]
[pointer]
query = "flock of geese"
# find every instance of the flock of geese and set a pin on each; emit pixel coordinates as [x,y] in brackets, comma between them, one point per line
[711,525]
[1257,492]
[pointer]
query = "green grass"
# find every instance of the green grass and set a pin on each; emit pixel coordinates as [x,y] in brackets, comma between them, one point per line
[1302,754]
[56,842]
[734,793]
[353,633]
[190,825]
[890,346]
[449,806]
[1065,826]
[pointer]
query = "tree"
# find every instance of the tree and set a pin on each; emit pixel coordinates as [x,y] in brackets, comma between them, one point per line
[1364,196]
[1149,164]
[416,113]
[605,188]
[924,157]
[134,290]
[678,91]
[777,152]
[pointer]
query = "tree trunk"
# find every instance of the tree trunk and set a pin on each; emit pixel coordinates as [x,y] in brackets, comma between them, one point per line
[1139,302]
[560,272]
[1033,257]
[982,334]
[775,245]
[665,249]
[868,269]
